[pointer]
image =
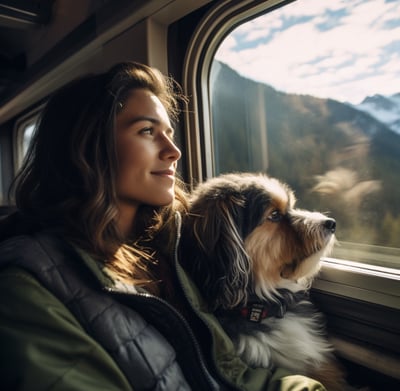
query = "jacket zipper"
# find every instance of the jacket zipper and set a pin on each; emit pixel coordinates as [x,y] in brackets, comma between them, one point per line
[178,222]
[147,296]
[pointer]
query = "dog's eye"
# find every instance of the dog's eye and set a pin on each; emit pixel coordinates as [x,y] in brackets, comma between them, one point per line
[275,216]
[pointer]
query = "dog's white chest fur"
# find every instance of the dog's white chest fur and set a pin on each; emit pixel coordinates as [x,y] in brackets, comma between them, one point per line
[292,342]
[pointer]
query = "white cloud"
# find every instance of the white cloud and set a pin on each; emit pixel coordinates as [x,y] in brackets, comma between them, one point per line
[347,61]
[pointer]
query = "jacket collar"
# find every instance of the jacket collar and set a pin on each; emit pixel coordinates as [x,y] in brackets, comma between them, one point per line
[100,271]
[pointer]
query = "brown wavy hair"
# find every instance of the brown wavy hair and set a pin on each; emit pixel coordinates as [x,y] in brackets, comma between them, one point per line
[67,181]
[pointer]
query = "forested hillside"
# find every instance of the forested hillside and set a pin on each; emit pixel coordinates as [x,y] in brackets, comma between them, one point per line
[337,158]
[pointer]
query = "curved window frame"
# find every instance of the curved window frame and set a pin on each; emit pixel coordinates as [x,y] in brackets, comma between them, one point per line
[224,17]
[354,282]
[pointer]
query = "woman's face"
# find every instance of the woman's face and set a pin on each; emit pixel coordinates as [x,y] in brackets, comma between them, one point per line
[147,154]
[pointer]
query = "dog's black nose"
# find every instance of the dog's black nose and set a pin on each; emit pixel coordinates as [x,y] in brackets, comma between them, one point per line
[330,224]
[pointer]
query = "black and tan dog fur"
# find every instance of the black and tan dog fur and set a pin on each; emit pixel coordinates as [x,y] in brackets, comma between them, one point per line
[253,256]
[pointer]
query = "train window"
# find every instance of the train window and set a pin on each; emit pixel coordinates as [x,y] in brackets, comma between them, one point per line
[310,93]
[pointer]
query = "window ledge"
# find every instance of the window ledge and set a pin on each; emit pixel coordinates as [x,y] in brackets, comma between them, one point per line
[365,282]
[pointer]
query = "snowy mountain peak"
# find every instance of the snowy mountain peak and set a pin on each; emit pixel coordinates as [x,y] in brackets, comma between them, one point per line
[385,109]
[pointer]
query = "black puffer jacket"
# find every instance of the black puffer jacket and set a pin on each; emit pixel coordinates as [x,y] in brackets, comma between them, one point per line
[150,360]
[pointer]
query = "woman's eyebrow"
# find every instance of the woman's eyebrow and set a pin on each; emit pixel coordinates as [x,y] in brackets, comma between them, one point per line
[145,118]
[153,120]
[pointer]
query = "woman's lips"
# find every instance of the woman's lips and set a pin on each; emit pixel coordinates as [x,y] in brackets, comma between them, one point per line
[166,173]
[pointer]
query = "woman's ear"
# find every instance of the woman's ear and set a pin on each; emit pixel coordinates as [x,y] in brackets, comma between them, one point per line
[214,251]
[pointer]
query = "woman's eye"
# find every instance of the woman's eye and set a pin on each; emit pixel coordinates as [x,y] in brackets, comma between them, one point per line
[147,131]
[275,216]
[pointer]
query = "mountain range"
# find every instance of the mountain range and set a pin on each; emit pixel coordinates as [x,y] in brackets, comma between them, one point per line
[338,157]
[385,109]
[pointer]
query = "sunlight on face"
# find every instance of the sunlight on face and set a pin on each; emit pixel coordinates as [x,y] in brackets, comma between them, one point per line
[147,154]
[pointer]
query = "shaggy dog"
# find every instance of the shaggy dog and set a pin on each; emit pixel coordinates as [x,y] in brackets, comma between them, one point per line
[253,256]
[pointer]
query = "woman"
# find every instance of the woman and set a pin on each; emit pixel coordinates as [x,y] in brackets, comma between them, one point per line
[92,296]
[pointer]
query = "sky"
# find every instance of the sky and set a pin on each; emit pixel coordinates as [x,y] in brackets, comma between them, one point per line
[340,49]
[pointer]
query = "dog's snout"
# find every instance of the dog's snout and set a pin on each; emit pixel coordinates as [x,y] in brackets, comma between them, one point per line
[330,224]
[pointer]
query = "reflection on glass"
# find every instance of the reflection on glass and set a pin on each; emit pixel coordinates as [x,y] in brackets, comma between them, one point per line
[321,113]
[27,135]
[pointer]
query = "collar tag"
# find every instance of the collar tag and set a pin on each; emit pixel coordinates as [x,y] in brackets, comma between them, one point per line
[256,313]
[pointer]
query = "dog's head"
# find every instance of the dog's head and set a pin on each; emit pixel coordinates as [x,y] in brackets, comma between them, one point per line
[243,236]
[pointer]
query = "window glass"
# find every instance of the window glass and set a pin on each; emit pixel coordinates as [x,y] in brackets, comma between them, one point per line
[310,93]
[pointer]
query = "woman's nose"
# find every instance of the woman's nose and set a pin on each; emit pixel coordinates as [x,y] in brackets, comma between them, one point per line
[170,150]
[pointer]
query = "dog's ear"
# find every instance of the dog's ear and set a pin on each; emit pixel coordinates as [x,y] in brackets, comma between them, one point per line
[214,251]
